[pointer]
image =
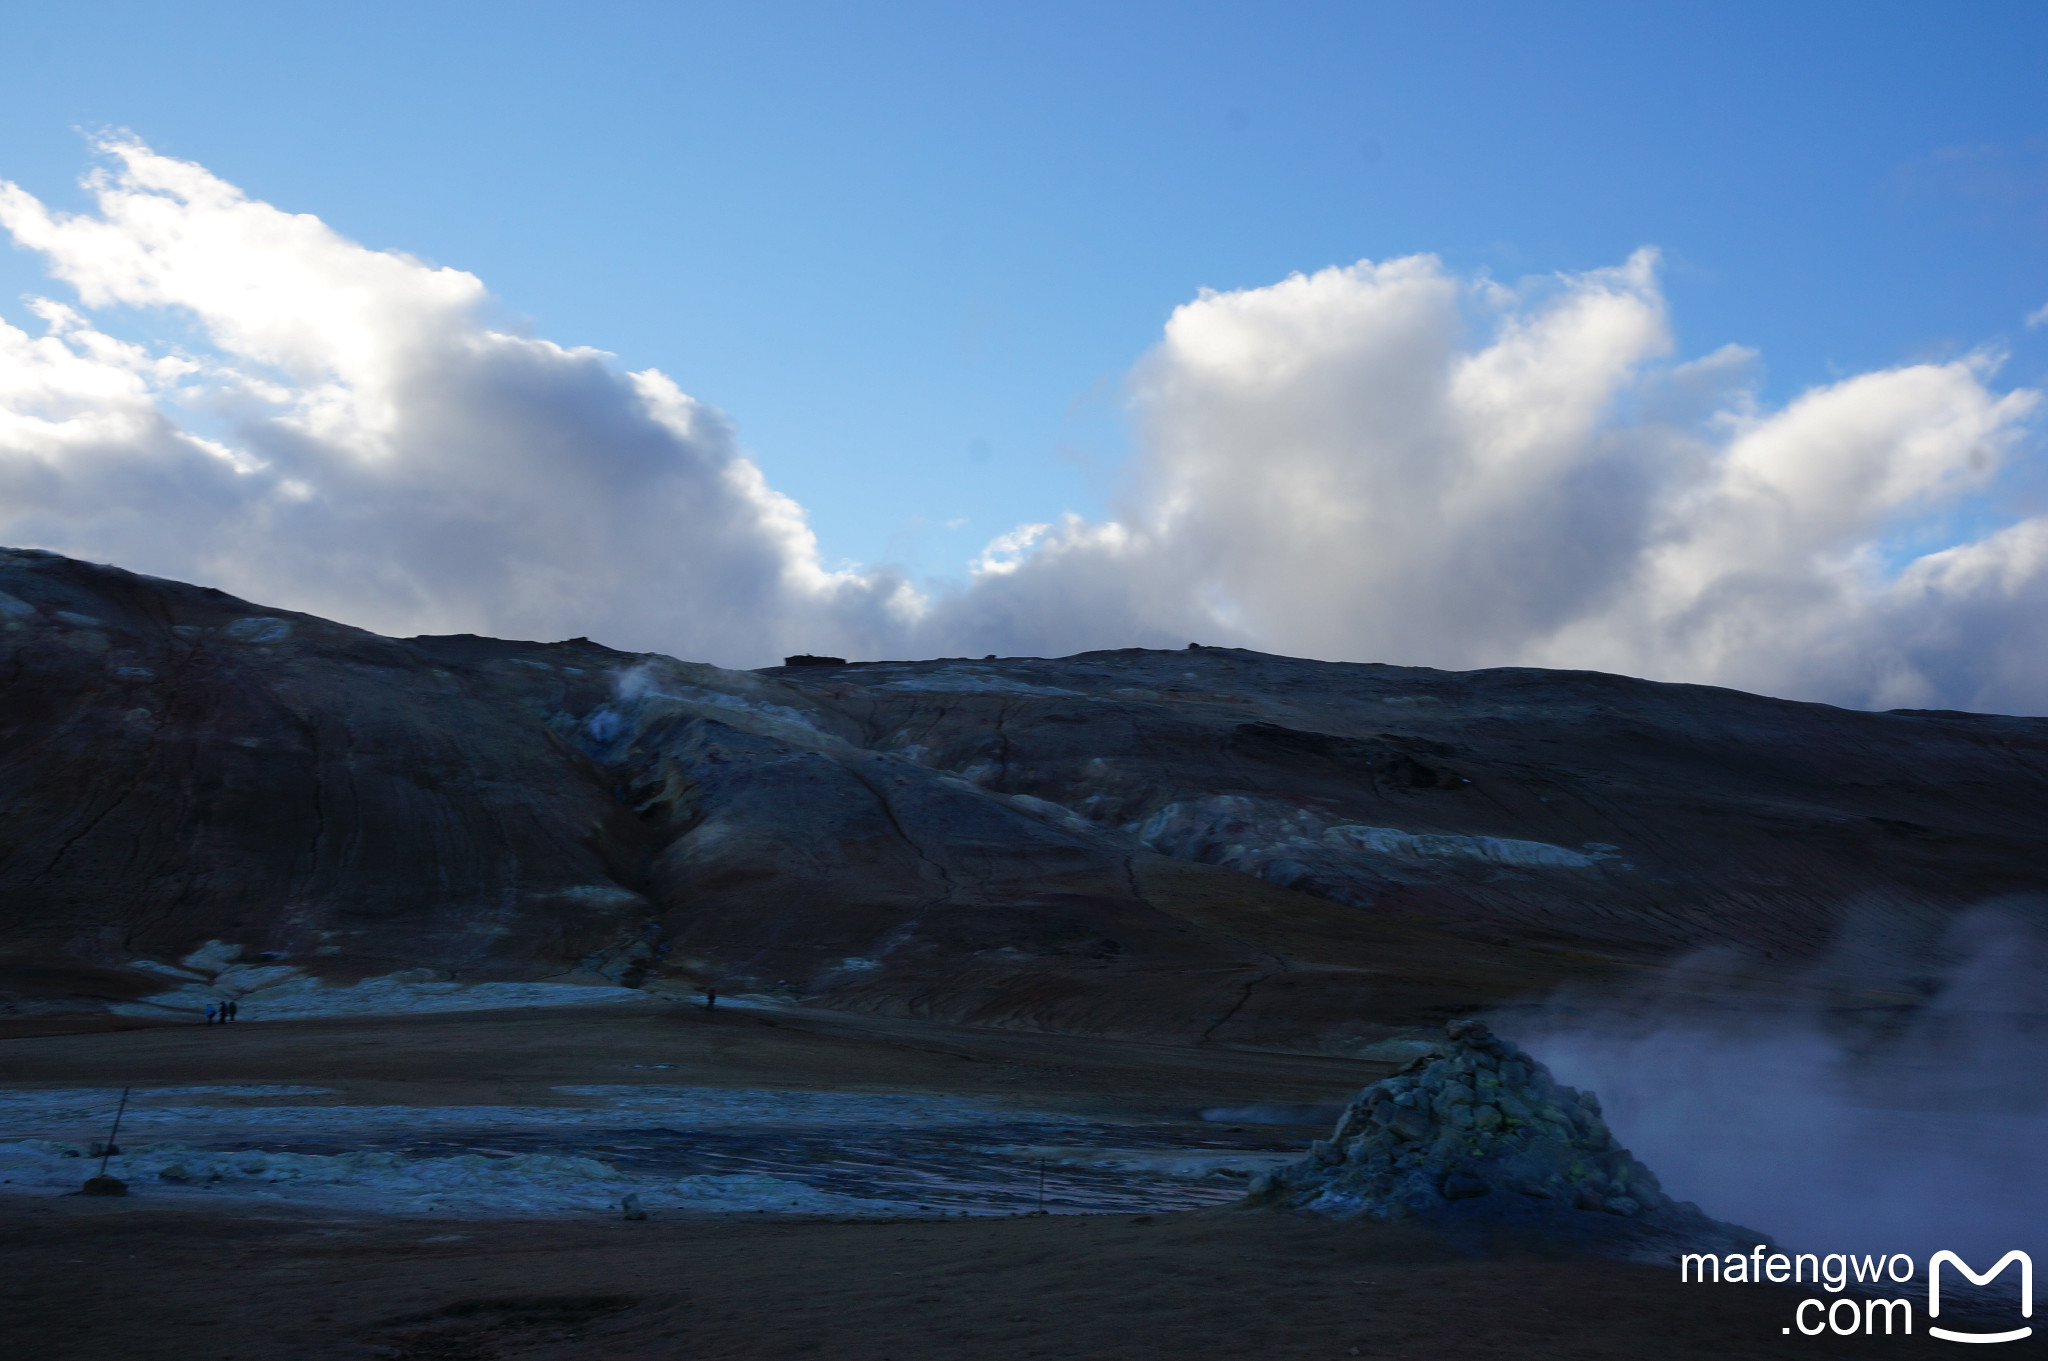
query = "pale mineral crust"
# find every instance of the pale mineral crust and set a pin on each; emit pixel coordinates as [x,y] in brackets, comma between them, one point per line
[1480,1134]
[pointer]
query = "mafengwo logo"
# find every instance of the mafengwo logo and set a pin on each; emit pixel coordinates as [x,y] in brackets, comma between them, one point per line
[1846,1315]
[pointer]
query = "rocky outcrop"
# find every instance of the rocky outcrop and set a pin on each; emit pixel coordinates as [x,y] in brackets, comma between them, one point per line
[178,767]
[1211,846]
[1553,807]
[1480,1135]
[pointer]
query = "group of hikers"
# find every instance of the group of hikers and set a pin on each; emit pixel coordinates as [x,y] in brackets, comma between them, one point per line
[221,1012]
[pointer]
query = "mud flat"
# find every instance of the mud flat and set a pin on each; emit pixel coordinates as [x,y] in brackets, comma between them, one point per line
[854,1108]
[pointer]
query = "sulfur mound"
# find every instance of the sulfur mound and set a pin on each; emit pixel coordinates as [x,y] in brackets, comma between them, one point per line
[1479,1136]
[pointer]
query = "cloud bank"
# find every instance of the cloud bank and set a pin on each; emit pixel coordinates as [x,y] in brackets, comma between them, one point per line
[1377,462]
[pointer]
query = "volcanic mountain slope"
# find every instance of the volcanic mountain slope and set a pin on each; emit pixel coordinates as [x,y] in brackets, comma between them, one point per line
[1202,846]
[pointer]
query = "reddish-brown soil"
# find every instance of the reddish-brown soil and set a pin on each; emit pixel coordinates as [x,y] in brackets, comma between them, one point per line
[96,1280]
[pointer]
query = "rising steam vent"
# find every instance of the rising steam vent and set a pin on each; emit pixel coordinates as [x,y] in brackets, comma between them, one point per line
[1480,1134]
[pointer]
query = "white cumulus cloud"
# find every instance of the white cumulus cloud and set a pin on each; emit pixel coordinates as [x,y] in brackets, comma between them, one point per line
[1377,462]
[354,439]
[1383,462]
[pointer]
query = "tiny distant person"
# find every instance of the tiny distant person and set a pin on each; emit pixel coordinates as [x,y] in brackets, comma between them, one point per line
[209,1013]
[710,998]
[234,1009]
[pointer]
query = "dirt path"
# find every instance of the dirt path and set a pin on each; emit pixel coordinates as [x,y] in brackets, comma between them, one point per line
[520,1056]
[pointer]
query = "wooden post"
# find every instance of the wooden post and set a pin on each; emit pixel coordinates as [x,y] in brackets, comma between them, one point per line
[100,1184]
[116,1133]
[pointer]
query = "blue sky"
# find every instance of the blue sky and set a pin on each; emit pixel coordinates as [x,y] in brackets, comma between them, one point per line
[913,250]
[1690,342]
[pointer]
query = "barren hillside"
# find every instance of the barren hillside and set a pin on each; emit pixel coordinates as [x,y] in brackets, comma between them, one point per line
[1210,845]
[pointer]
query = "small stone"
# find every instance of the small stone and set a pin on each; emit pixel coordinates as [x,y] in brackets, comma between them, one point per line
[630,1203]
[104,1186]
[1464,1186]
